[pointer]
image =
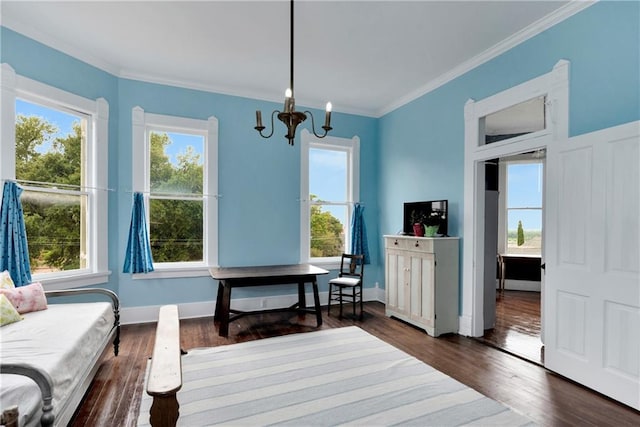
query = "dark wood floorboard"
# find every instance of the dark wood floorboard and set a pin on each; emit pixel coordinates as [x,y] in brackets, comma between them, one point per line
[517,328]
[548,399]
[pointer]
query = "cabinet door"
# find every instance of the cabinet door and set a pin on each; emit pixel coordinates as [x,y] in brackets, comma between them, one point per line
[422,288]
[396,281]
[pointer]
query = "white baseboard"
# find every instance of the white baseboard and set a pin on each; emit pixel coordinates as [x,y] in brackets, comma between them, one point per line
[464,326]
[147,314]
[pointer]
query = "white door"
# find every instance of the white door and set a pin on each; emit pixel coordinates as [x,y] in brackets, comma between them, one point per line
[592,254]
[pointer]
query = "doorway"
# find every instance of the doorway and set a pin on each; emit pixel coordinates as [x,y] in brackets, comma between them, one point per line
[549,91]
[514,238]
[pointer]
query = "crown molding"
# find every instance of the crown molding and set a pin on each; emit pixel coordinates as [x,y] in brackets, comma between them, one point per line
[59,45]
[570,9]
[268,96]
[554,18]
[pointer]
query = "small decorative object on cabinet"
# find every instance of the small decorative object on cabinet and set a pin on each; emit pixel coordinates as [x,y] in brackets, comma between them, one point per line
[421,282]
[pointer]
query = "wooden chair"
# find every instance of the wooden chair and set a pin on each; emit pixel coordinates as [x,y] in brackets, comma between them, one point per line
[348,284]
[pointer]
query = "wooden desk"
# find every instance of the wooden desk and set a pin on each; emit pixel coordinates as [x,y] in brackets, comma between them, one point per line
[236,277]
[518,267]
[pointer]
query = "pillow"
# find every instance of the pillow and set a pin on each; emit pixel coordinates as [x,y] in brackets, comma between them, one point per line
[5,281]
[27,298]
[8,313]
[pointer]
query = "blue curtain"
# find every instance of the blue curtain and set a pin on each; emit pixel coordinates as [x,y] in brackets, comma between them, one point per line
[359,243]
[14,250]
[138,258]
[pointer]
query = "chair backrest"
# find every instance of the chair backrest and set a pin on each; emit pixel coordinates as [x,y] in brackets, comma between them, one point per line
[352,265]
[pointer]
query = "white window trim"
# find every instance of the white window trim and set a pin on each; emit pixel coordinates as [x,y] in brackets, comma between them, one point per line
[141,122]
[352,147]
[502,199]
[12,86]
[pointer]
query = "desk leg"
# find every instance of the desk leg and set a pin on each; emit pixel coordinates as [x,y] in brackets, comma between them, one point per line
[224,310]
[216,314]
[316,300]
[302,299]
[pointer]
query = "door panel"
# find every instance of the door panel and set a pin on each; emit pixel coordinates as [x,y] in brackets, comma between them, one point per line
[592,282]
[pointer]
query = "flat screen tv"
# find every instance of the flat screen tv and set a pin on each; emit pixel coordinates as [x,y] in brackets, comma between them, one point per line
[433,212]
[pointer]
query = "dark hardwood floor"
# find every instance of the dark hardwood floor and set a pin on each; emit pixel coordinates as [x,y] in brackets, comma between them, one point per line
[114,397]
[517,328]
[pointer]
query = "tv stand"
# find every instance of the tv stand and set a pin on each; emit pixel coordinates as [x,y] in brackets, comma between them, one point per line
[421,281]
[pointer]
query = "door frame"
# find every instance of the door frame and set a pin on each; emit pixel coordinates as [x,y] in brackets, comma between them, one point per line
[555,86]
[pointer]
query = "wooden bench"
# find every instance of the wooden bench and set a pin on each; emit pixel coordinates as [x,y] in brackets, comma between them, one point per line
[165,373]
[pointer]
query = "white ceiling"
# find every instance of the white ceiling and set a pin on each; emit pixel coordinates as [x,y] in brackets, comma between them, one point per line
[367,57]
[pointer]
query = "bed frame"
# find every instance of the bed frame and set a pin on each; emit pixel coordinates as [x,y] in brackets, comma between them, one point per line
[42,378]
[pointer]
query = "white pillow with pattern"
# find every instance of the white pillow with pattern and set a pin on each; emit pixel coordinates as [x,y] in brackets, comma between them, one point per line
[5,281]
[8,313]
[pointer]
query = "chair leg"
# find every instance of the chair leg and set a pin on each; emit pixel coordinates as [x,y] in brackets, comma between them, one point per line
[353,299]
[361,303]
[340,299]
[329,302]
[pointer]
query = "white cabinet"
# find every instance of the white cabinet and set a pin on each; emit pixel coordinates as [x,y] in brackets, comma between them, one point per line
[421,281]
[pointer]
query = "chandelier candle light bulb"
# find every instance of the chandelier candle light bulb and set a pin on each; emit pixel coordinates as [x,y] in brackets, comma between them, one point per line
[327,117]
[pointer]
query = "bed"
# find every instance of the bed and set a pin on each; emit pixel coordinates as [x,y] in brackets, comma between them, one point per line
[328,377]
[50,358]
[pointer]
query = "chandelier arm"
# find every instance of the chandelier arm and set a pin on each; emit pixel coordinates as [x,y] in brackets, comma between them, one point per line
[272,127]
[313,126]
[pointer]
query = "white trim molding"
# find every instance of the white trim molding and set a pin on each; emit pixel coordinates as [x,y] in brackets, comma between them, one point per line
[555,87]
[141,124]
[559,15]
[12,86]
[148,314]
[352,147]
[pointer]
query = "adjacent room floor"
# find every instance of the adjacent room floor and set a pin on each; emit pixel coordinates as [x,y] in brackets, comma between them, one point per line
[517,329]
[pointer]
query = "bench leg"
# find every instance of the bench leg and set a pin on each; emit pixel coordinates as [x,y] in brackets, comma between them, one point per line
[164,411]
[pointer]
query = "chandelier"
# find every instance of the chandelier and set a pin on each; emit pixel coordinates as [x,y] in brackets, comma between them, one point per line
[290,117]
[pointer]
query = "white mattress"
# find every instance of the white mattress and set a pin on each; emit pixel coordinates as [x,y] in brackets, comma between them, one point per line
[66,352]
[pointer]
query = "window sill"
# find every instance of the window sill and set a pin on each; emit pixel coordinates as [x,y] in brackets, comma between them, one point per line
[326,264]
[72,281]
[172,273]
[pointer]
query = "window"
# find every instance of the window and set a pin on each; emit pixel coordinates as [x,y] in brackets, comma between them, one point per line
[179,183]
[524,183]
[58,154]
[514,121]
[329,189]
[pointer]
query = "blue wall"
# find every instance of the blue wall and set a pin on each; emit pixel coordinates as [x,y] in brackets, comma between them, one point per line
[414,153]
[422,143]
[259,180]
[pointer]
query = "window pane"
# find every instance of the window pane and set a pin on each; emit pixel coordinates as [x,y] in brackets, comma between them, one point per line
[520,119]
[55,235]
[524,231]
[328,174]
[327,230]
[175,228]
[50,152]
[176,164]
[50,144]
[524,185]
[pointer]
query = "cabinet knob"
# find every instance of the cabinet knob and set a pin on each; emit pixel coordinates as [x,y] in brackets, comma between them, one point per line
[417,244]
[395,243]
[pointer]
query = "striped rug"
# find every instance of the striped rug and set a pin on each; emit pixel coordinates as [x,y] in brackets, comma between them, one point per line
[341,376]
